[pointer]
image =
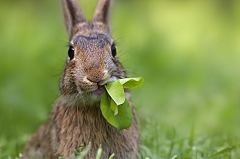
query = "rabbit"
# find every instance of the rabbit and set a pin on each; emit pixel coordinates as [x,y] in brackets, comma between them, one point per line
[76,117]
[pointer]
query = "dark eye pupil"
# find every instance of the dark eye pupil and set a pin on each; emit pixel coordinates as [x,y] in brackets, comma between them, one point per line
[114,51]
[71,52]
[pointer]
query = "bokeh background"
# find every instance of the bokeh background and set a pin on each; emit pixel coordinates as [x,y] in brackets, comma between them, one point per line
[187,51]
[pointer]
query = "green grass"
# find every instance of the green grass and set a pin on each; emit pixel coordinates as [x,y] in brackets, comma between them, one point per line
[163,143]
[80,154]
[187,51]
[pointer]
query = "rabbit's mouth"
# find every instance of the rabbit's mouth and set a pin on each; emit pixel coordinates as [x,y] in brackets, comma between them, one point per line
[99,91]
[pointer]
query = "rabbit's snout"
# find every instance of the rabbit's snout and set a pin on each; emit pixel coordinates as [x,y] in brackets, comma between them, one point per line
[93,80]
[98,76]
[94,74]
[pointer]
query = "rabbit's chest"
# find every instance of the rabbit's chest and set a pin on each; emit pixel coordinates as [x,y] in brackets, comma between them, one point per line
[73,127]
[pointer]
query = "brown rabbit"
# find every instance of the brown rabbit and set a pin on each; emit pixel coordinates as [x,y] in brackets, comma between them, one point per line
[76,117]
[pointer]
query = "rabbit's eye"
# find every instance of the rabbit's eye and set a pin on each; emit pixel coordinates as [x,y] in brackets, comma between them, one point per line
[114,51]
[71,52]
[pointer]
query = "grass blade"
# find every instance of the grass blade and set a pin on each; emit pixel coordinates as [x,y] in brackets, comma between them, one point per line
[228,149]
[111,157]
[99,152]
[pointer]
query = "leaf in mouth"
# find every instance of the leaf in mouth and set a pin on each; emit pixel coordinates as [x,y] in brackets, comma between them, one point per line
[114,105]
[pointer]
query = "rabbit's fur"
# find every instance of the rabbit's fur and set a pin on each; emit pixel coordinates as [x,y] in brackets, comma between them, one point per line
[76,117]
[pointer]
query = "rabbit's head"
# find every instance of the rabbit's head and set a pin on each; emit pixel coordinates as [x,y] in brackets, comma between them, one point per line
[92,60]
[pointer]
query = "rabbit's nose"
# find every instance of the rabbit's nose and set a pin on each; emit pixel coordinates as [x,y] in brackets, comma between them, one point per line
[94,73]
[98,76]
[95,76]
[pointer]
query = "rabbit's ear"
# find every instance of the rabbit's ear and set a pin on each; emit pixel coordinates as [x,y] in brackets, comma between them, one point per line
[102,12]
[73,15]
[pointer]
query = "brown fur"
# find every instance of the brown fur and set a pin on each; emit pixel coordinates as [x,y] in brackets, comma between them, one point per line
[68,127]
[76,117]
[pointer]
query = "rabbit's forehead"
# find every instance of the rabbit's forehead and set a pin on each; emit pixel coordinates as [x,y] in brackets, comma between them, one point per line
[92,41]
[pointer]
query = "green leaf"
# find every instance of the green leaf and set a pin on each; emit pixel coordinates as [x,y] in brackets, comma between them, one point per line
[131,82]
[114,107]
[123,119]
[116,91]
[107,111]
[125,114]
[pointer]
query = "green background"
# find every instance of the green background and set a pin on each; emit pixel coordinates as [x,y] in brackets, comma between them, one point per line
[187,51]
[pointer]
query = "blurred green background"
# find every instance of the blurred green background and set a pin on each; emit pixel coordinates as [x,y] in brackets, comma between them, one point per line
[187,51]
